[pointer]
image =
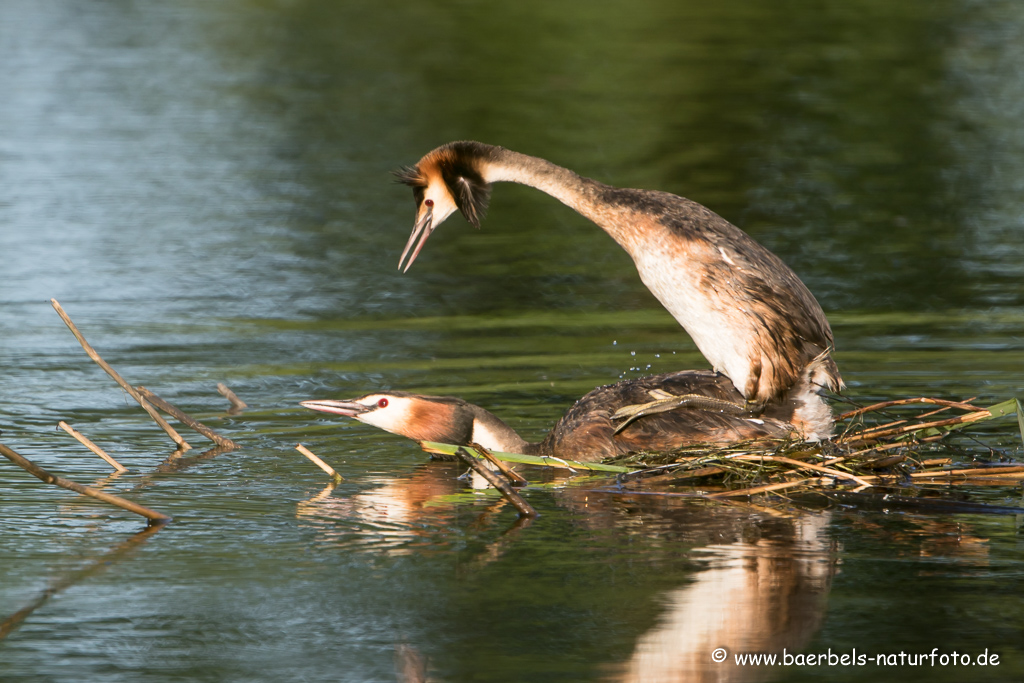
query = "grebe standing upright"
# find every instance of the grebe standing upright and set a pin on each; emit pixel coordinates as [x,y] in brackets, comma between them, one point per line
[678,409]
[747,312]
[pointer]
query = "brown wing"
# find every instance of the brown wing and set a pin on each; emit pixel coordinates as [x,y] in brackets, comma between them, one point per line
[790,327]
[586,431]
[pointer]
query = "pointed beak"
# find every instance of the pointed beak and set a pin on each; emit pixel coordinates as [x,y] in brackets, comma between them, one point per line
[420,232]
[346,408]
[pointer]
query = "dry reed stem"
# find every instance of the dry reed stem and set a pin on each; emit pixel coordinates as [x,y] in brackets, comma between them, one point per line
[971,472]
[120,380]
[38,472]
[961,419]
[907,401]
[758,489]
[510,494]
[319,463]
[945,408]
[980,481]
[675,475]
[186,419]
[855,454]
[85,441]
[236,403]
[500,464]
[805,466]
[884,462]
[869,432]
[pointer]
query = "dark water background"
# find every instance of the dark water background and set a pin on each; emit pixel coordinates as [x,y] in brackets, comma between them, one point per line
[205,188]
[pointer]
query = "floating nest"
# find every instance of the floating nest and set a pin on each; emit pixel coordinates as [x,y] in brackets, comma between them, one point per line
[886,444]
[878,447]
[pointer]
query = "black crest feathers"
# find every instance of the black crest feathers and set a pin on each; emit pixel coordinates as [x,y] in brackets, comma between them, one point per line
[471,192]
[411,176]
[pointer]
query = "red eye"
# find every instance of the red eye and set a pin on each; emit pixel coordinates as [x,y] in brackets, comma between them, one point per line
[383,403]
[429,202]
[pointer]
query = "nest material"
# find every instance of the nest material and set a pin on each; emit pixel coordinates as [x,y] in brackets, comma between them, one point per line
[874,448]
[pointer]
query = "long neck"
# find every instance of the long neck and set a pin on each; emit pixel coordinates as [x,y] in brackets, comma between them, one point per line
[568,187]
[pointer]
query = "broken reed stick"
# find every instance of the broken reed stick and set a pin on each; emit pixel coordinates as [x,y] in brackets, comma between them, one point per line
[319,463]
[671,477]
[869,432]
[960,419]
[82,439]
[805,466]
[497,482]
[236,403]
[971,472]
[944,408]
[1008,480]
[907,401]
[505,469]
[186,419]
[887,447]
[38,472]
[182,444]
[758,489]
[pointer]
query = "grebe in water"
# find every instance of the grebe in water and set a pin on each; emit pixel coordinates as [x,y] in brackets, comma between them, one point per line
[656,413]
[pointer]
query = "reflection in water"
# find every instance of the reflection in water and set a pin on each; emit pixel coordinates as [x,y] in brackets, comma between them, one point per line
[754,597]
[929,538]
[410,665]
[762,588]
[94,567]
[388,517]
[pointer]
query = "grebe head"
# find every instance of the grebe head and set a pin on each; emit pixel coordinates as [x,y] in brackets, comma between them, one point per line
[447,179]
[423,418]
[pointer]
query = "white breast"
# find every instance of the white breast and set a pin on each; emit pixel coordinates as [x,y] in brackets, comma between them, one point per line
[716,325]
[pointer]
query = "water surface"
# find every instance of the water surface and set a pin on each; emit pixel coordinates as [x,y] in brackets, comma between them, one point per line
[205,189]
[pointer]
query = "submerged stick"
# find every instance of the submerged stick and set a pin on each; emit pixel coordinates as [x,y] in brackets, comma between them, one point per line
[186,419]
[319,463]
[120,380]
[82,439]
[38,472]
[497,482]
[237,404]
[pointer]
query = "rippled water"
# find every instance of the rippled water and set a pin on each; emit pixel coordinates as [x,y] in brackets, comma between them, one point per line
[205,189]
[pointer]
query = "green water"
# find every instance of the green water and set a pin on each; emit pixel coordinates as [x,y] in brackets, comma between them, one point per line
[205,189]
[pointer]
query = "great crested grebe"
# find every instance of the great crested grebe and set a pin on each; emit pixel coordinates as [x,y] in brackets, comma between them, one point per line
[746,311]
[656,413]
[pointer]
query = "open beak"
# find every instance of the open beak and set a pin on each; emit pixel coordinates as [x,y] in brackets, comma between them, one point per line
[420,232]
[346,408]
